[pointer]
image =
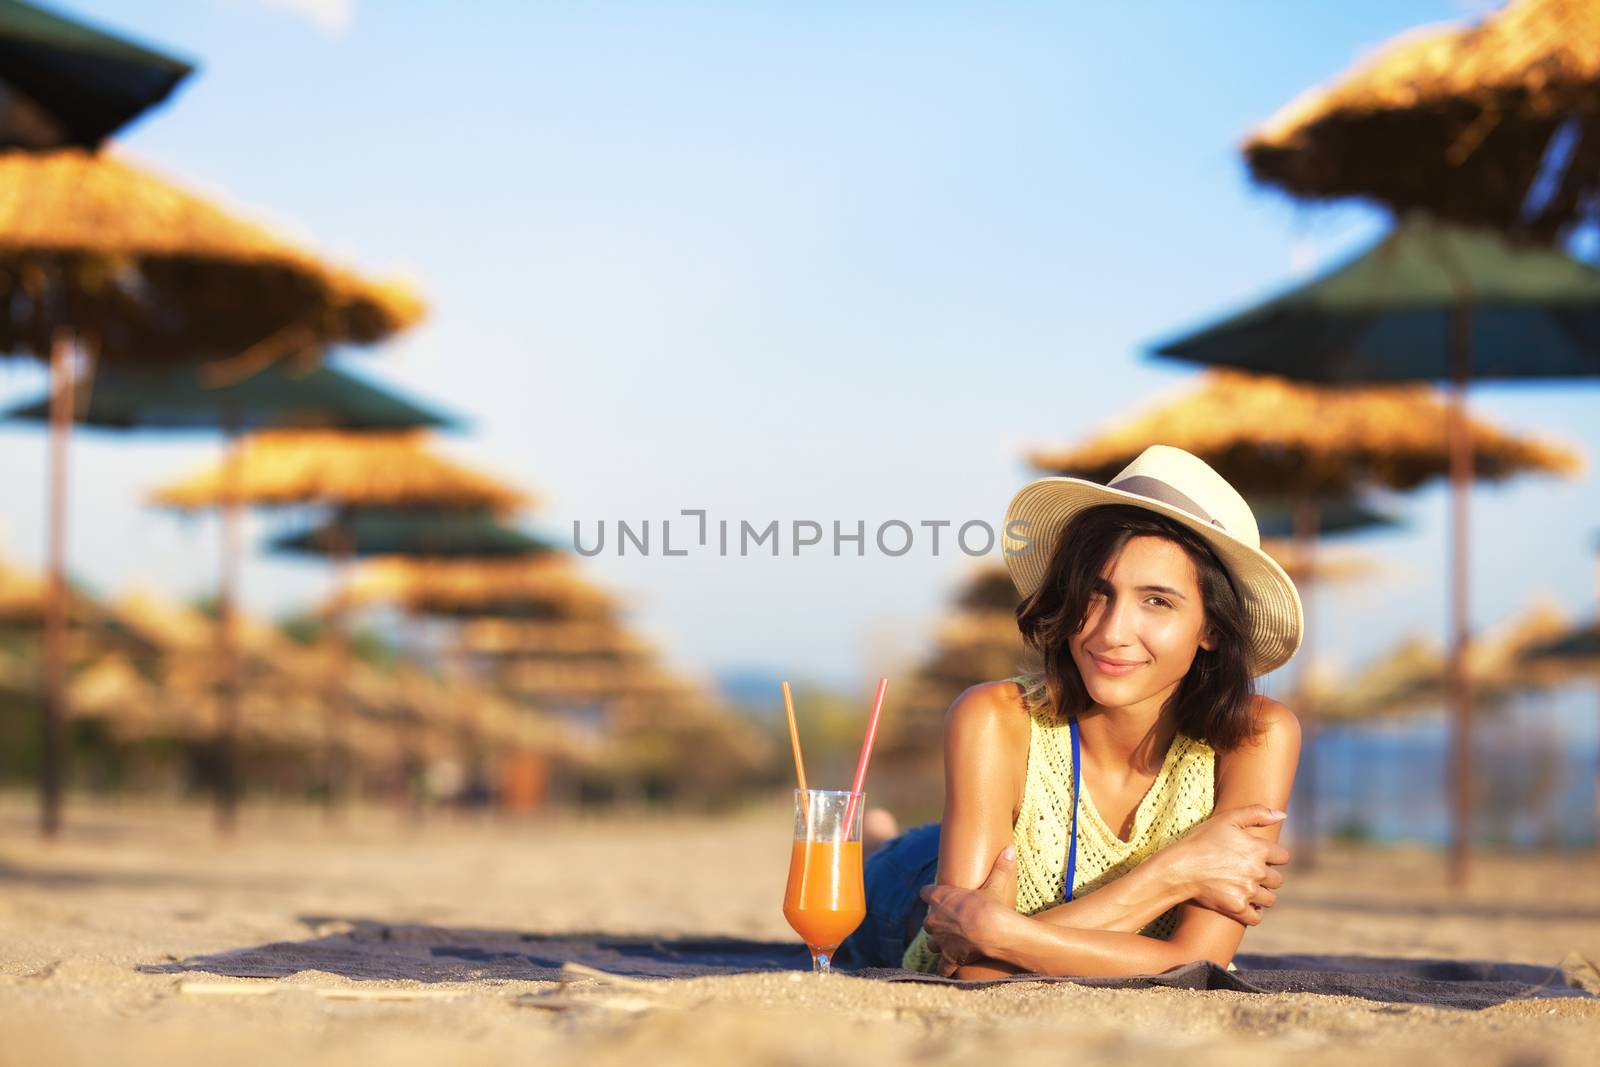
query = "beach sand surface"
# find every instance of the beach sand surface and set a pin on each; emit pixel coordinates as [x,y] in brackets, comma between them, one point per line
[88,923]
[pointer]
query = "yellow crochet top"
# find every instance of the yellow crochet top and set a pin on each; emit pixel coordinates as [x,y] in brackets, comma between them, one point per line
[1183,794]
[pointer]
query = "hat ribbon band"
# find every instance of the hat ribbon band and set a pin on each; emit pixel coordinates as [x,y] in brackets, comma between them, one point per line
[1158,490]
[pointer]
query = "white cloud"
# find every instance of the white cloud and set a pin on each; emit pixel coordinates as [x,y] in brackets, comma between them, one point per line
[332,17]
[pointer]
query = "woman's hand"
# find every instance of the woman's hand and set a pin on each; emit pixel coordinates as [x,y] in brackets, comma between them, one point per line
[1227,868]
[962,923]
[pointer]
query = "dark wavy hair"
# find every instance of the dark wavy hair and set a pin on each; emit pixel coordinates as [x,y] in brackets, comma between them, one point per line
[1212,702]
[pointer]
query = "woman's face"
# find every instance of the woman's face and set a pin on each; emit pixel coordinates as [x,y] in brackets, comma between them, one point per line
[1144,624]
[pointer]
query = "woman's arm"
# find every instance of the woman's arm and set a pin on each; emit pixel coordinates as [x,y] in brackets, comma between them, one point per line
[985,759]
[1219,864]
[1258,772]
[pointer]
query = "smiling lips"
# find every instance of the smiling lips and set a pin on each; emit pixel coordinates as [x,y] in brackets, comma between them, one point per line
[1114,667]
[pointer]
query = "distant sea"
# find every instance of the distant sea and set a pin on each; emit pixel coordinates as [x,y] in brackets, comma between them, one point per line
[1537,762]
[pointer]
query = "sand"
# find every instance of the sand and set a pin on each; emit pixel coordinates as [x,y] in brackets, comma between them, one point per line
[131,888]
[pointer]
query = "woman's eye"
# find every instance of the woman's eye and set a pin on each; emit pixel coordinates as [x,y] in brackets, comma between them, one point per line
[1162,601]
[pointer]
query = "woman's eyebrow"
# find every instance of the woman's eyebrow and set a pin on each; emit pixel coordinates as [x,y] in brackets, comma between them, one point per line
[1167,589]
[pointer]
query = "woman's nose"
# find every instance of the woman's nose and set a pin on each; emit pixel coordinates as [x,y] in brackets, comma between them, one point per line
[1117,622]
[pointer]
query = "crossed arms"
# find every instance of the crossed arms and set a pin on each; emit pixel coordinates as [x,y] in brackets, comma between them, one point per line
[1222,874]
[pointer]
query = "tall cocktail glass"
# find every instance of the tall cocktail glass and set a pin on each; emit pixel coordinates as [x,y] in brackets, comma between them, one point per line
[825,900]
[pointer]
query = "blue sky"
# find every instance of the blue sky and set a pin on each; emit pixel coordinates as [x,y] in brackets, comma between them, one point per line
[788,261]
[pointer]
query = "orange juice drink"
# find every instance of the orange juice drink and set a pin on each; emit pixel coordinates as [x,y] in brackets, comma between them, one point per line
[824,901]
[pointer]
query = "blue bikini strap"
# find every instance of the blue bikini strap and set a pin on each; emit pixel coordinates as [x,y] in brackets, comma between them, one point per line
[1077,787]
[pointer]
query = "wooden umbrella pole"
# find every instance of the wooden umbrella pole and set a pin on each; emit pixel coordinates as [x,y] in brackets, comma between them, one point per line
[1305,535]
[52,768]
[228,786]
[342,550]
[1460,634]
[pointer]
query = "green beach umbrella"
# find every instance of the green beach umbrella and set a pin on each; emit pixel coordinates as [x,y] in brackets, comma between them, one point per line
[1577,650]
[1428,302]
[1432,302]
[279,396]
[1331,516]
[67,83]
[411,532]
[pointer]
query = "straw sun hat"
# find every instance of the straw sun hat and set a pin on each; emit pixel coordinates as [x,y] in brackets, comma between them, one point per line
[1170,482]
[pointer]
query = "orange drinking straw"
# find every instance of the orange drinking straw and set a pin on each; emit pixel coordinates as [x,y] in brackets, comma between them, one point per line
[794,739]
[866,755]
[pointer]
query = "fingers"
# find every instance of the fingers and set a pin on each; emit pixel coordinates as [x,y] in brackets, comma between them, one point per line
[1256,815]
[1263,898]
[1273,878]
[1276,855]
[947,966]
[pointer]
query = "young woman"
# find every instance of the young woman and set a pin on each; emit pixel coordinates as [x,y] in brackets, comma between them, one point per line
[1118,812]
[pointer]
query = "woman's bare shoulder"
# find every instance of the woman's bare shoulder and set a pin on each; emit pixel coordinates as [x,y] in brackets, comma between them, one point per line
[1277,733]
[986,738]
[989,707]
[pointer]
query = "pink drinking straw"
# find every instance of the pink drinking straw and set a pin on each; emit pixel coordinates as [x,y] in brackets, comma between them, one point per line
[866,756]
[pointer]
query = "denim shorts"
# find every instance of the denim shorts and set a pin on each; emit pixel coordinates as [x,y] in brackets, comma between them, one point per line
[893,877]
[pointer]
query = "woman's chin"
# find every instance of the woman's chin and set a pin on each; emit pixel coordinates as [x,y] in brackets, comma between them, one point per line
[1119,692]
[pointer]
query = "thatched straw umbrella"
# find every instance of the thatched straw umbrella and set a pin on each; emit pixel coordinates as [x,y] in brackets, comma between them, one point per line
[1414,676]
[280,468]
[169,689]
[148,273]
[1495,123]
[373,470]
[102,260]
[680,739]
[545,586]
[67,83]
[552,680]
[575,639]
[1270,435]
[25,599]
[1315,568]
[281,685]
[113,689]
